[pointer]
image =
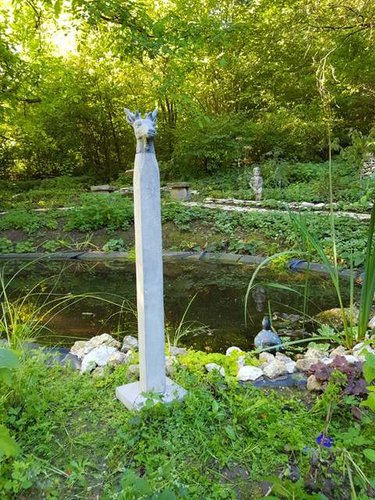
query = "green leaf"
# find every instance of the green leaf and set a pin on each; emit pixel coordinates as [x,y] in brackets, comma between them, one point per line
[6,376]
[369,367]
[370,454]
[8,359]
[370,402]
[8,445]
[230,432]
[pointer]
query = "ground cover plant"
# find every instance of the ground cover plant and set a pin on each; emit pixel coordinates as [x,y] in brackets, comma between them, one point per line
[221,442]
[197,227]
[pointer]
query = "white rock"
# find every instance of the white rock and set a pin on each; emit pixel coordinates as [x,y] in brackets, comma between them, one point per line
[133,370]
[304,364]
[129,342]
[339,351]
[326,360]
[213,366]
[229,351]
[314,353]
[360,350]
[82,347]
[104,339]
[99,356]
[177,351]
[241,361]
[249,373]
[170,366]
[275,369]
[98,372]
[371,323]
[351,359]
[266,357]
[289,363]
[118,358]
[313,384]
[78,348]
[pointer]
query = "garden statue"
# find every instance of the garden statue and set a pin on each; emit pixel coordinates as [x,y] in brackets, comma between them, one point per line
[256,183]
[267,337]
[149,272]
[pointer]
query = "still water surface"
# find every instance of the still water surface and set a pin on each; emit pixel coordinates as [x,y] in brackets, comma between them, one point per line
[219,292]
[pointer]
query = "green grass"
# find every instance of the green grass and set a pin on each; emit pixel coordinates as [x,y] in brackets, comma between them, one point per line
[77,441]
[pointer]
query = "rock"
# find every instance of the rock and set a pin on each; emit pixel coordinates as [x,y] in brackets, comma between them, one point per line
[333,317]
[177,351]
[133,370]
[213,366]
[129,342]
[351,359]
[371,323]
[304,364]
[104,339]
[170,366]
[241,361]
[71,360]
[289,363]
[78,348]
[326,360]
[249,373]
[275,369]
[229,351]
[360,350]
[99,356]
[81,347]
[266,357]
[314,353]
[339,351]
[119,358]
[314,385]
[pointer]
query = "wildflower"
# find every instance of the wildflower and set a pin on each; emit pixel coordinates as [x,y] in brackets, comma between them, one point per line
[324,440]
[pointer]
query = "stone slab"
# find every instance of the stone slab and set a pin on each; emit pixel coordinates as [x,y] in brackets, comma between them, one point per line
[209,257]
[293,380]
[229,258]
[133,398]
[251,259]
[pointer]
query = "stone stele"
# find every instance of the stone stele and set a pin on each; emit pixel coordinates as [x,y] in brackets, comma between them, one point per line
[153,383]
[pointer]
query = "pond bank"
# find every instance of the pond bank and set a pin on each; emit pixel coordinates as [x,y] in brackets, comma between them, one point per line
[299,265]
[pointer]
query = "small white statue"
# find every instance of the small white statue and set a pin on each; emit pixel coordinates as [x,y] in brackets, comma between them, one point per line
[256,183]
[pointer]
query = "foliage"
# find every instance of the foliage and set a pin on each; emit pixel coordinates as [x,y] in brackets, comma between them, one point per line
[368,287]
[230,83]
[369,374]
[114,245]
[99,212]
[222,438]
[8,363]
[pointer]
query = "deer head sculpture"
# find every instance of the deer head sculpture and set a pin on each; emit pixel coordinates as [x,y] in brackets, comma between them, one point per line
[144,129]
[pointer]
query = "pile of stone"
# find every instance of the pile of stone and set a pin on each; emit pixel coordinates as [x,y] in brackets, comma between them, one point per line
[273,367]
[103,350]
[93,355]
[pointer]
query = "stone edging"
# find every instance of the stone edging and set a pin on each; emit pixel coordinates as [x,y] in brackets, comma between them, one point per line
[296,265]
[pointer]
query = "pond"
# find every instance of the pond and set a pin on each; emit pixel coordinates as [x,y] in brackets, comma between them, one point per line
[214,320]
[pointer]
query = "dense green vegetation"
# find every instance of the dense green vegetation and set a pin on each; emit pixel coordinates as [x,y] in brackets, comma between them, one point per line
[287,85]
[234,80]
[221,442]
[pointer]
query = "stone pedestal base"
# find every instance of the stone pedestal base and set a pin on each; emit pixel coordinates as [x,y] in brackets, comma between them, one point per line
[132,397]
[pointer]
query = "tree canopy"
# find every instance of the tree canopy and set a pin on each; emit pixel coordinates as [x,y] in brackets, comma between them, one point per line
[225,75]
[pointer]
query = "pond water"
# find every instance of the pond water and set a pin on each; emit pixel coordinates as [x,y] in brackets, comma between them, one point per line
[215,318]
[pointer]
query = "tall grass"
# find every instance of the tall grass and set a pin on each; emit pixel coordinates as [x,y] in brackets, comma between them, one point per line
[368,287]
[26,318]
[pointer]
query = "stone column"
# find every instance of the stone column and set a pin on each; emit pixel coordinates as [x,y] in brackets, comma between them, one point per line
[153,383]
